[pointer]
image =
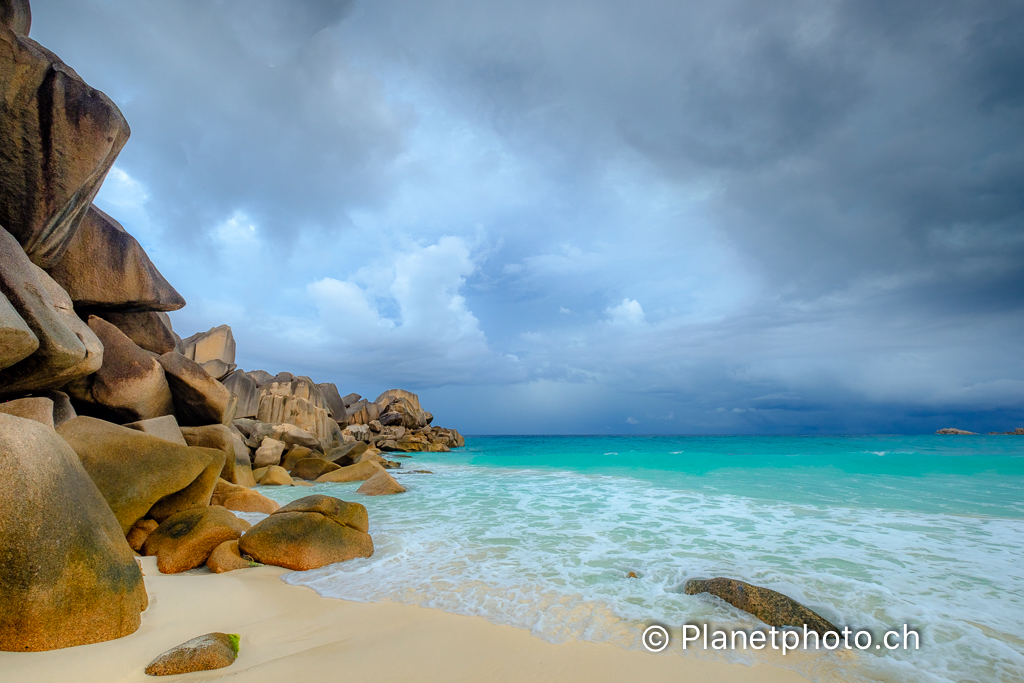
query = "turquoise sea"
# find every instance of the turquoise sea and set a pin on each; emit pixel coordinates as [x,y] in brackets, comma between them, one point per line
[870,531]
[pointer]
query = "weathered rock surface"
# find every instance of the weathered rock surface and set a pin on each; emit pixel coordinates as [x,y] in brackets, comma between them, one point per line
[198,398]
[39,409]
[276,476]
[359,472]
[58,139]
[227,558]
[294,454]
[362,412]
[308,533]
[297,401]
[205,653]
[185,540]
[130,382]
[67,349]
[165,427]
[241,499]
[68,577]
[237,467]
[771,607]
[17,340]
[16,15]
[335,403]
[380,484]
[141,475]
[245,389]
[150,330]
[138,534]
[105,267]
[269,453]
[311,468]
[215,344]
[346,454]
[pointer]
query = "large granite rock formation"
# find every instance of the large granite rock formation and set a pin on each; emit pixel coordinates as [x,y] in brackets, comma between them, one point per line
[297,401]
[105,267]
[199,399]
[185,540]
[237,464]
[246,391]
[141,475]
[67,576]
[67,348]
[58,139]
[151,330]
[130,383]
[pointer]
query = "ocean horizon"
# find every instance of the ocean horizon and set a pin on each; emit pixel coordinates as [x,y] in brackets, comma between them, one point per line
[874,532]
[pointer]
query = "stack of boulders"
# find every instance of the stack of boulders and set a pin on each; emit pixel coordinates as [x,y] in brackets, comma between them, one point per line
[119,438]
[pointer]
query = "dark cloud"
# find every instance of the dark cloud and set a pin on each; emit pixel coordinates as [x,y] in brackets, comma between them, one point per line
[748,216]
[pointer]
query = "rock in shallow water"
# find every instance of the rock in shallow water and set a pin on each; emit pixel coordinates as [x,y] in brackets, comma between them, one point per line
[771,607]
[380,484]
[205,653]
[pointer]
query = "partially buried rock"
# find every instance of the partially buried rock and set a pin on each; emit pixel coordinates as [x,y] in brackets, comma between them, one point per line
[771,607]
[308,533]
[205,653]
[184,541]
[67,576]
[227,558]
[380,484]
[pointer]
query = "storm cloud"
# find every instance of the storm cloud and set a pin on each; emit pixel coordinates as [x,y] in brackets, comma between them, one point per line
[587,217]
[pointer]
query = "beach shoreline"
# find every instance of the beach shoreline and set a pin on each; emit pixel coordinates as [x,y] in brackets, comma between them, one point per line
[291,633]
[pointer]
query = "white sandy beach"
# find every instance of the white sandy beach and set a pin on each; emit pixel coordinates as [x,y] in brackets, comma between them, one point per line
[289,633]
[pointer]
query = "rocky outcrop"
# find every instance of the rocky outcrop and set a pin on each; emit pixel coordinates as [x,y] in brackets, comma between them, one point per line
[141,475]
[237,466]
[165,427]
[16,15]
[241,499]
[58,139]
[311,468]
[205,653]
[130,382]
[68,576]
[39,409]
[953,430]
[227,558]
[246,392]
[359,472]
[771,607]
[151,330]
[185,540]
[380,484]
[217,343]
[276,476]
[199,399]
[67,349]
[297,401]
[335,402]
[269,453]
[308,533]
[104,267]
